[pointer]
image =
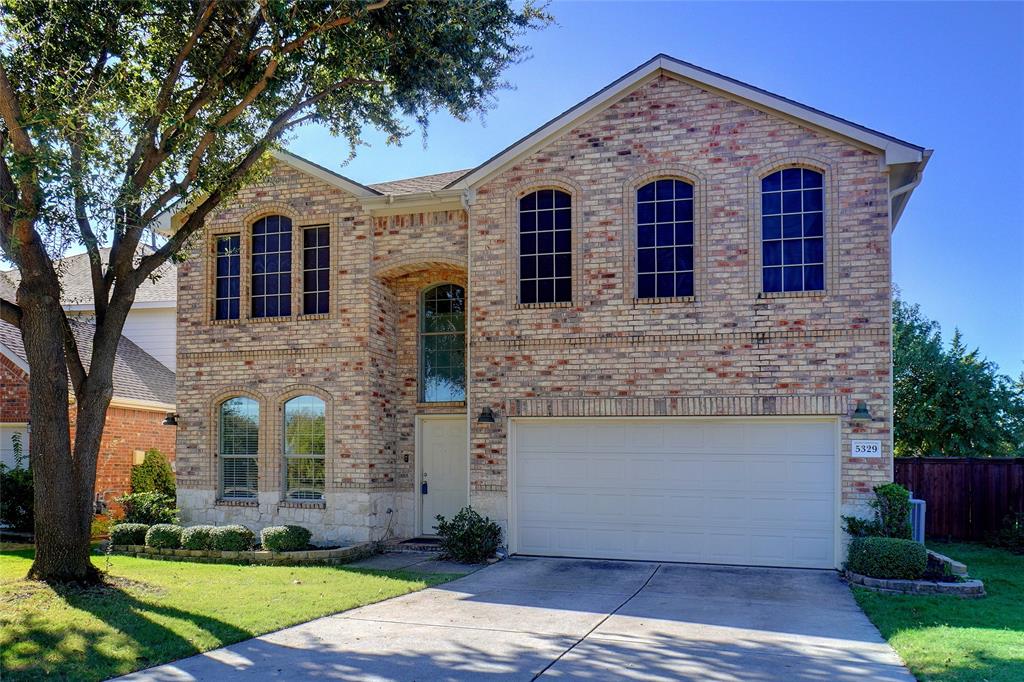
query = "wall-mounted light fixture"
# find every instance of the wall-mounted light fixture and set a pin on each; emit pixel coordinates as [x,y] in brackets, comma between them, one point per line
[171,419]
[861,414]
[486,416]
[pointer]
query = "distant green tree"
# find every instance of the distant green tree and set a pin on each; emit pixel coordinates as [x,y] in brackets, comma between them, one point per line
[949,402]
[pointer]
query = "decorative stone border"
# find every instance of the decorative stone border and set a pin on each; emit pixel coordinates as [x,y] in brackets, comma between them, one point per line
[341,555]
[972,589]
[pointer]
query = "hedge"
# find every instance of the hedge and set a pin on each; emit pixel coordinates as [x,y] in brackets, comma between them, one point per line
[232,538]
[887,558]
[164,536]
[197,537]
[128,534]
[285,538]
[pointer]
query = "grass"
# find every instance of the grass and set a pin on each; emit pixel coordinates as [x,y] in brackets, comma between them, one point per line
[152,612]
[951,639]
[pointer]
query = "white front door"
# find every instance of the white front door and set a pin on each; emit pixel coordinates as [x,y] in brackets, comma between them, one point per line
[444,471]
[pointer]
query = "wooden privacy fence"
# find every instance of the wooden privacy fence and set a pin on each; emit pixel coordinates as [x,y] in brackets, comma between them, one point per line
[968,497]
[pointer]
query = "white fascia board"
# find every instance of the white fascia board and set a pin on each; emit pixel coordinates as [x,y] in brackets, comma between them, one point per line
[14,357]
[895,151]
[146,405]
[418,202]
[138,305]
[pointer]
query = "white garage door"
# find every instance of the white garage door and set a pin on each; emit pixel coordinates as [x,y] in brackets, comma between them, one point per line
[754,492]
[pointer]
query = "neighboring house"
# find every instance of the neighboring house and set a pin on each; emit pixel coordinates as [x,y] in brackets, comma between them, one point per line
[655,328]
[143,396]
[151,322]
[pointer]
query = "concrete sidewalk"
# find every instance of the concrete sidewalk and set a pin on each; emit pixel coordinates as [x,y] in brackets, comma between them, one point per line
[564,618]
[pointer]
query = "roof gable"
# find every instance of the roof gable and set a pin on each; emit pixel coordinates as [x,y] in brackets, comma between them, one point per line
[896,151]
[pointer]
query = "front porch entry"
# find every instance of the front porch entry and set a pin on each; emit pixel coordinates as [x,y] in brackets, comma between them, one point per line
[443,469]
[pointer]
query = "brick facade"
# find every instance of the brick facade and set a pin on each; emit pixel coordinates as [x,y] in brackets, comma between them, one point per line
[727,351]
[13,392]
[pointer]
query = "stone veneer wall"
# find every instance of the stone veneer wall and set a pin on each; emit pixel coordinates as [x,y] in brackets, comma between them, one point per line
[726,351]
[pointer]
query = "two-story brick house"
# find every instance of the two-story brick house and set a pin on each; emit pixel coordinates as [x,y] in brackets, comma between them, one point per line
[651,329]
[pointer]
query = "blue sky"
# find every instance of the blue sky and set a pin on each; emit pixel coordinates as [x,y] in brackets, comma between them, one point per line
[947,76]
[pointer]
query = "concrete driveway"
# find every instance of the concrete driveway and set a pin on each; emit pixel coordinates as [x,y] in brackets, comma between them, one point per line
[562,618]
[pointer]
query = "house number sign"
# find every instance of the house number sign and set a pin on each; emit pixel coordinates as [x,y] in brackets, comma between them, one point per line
[866,448]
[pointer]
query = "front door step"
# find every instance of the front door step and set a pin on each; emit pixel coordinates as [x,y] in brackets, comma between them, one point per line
[421,544]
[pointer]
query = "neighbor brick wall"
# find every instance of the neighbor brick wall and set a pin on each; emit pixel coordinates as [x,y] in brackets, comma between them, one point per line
[13,392]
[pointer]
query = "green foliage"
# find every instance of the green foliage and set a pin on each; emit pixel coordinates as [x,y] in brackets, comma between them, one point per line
[285,538]
[197,537]
[128,533]
[887,558]
[891,507]
[164,536]
[233,538]
[949,402]
[1011,535]
[469,537]
[154,475]
[148,508]
[101,525]
[17,501]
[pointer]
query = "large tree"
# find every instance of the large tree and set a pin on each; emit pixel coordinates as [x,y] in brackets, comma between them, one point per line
[950,401]
[113,111]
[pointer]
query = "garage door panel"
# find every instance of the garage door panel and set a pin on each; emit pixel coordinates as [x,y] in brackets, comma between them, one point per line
[717,491]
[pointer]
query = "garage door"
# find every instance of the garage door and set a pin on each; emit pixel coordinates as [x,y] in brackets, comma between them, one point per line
[757,492]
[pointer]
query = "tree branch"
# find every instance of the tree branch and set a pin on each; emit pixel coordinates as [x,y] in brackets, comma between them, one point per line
[100,285]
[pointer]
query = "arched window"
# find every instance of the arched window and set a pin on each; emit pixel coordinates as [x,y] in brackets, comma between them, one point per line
[443,344]
[239,448]
[304,439]
[545,247]
[664,239]
[272,266]
[793,231]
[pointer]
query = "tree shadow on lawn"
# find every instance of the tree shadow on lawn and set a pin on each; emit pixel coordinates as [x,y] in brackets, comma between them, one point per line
[41,645]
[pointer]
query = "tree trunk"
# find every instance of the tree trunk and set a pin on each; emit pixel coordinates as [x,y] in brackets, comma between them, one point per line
[63,491]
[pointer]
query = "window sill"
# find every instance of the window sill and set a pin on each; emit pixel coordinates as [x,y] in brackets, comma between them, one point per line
[453,404]
[236,503]
[664,299]
[219,323]
[541,306]
[302,504]
[275,318]
[792,294]
[314,316]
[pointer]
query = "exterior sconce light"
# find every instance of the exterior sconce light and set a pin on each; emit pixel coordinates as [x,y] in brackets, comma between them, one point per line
[171,419]
[486,416]
[861,414]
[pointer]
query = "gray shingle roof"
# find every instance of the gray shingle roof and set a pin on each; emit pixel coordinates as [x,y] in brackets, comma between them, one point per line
[76,281]
[422,183]
[137,374]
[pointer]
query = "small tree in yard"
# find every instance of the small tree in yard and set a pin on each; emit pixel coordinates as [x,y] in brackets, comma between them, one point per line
[113,111]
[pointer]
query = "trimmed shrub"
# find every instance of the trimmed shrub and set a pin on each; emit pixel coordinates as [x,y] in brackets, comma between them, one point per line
[285,538]
[1011,535]
[148,508]
[164,536]
[197,537]
[232,538]
[469,537]
[892,510]
[128,533]
[887,558]
[154,475]
[17,499]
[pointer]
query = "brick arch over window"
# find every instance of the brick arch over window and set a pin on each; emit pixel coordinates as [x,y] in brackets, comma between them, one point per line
[516,252]
[697,220]
[824,167]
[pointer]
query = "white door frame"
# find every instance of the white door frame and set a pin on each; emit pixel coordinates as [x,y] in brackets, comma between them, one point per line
[418,469]
[513,526]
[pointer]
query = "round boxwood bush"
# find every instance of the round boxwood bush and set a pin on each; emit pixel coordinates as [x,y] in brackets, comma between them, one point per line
[128,534]
[164,536]
[232,538]
[887,558]
[468,537]
[285,538]
[197,537]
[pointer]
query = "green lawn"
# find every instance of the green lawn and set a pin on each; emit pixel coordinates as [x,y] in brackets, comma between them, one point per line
[159,611]
[947,638]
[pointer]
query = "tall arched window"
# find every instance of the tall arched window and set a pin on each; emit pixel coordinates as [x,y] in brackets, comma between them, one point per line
[272,266]
[304,447]
[664,239]
[443,344]
[545,247]
[793,231]
[239,448]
